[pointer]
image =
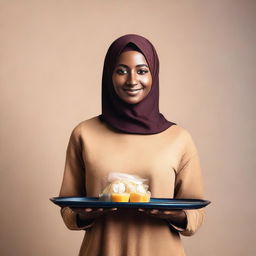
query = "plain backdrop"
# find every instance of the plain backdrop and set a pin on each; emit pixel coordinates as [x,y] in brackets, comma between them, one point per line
[51,60]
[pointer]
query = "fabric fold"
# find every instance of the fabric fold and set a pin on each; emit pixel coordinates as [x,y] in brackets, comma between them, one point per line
[140,118]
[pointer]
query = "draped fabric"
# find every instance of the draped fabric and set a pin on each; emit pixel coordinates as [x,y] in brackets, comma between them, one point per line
[140,118]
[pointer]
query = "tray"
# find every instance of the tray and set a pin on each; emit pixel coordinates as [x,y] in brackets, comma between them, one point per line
[155,203]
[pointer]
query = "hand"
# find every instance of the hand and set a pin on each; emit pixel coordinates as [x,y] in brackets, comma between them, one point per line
[176,217]
[162,214]
[91,213]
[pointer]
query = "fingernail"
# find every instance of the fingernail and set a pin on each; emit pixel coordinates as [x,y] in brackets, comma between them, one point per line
[88,209]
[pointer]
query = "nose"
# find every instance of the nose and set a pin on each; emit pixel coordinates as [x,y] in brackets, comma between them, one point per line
[132,79]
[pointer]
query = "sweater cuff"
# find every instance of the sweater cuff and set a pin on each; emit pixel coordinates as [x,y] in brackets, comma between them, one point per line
[72,221]
[194,221]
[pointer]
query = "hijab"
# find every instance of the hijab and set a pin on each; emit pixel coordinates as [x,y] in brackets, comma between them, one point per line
[140,118]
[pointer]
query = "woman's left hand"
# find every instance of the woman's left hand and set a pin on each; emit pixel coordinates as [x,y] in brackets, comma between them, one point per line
[176,217]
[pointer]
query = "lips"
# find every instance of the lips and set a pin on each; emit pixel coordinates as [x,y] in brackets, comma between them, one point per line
[132,90]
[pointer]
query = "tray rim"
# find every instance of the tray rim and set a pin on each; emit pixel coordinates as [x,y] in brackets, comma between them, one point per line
[165,203]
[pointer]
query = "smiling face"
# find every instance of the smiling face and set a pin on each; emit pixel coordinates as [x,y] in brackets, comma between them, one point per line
[131,78]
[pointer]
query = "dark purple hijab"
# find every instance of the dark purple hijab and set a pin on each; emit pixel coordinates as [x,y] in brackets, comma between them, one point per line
[140,118]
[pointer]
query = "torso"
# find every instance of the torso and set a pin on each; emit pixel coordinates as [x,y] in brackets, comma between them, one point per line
[154,157]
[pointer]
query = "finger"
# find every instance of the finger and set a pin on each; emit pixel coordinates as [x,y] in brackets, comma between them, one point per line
[167,212]
[154,211]
[110,209]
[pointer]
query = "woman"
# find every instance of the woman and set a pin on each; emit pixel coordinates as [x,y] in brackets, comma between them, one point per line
[131,136]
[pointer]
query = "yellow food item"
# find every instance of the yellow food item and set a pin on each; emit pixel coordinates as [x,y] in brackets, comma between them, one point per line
[120,197]
[139,197]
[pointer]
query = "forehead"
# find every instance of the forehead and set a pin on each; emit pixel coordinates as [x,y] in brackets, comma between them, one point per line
[131,58]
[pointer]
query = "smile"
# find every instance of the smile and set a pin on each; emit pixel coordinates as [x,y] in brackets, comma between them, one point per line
[133,90]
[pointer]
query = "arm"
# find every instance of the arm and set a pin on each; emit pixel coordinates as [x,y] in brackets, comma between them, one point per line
[73,183]
[188,184]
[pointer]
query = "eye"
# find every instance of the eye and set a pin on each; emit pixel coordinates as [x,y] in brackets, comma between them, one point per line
[121,71]
[142,71]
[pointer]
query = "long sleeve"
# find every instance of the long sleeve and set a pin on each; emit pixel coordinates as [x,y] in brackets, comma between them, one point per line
[188,184]
[73,183]
[168,160]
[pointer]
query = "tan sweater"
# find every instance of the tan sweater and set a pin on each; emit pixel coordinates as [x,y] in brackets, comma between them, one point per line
[169,161]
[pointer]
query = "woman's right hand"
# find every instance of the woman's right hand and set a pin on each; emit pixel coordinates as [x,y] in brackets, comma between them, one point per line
[87,215]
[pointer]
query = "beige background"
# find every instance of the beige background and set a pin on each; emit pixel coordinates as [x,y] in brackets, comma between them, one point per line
[51,58]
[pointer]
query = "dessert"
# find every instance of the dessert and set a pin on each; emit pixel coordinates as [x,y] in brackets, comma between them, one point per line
[139,197]
[124,187]
[120,197]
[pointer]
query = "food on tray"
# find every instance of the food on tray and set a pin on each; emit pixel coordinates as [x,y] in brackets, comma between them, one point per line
[124,187]
[139,197]
[120,197]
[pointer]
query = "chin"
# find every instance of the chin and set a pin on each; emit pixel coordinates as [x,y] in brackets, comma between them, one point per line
[131,101]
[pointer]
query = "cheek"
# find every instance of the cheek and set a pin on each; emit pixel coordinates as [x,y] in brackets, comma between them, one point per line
[117,81]
[147,82]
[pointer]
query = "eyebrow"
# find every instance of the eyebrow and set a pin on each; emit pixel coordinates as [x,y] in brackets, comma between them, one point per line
[139,65]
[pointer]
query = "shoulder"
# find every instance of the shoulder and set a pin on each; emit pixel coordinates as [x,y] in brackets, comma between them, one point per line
[85,126]
[180,132]
[183,138]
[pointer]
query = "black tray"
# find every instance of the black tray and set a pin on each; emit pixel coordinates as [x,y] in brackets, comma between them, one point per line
[155,203]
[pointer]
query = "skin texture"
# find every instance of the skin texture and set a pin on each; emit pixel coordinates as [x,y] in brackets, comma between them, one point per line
[131,78]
